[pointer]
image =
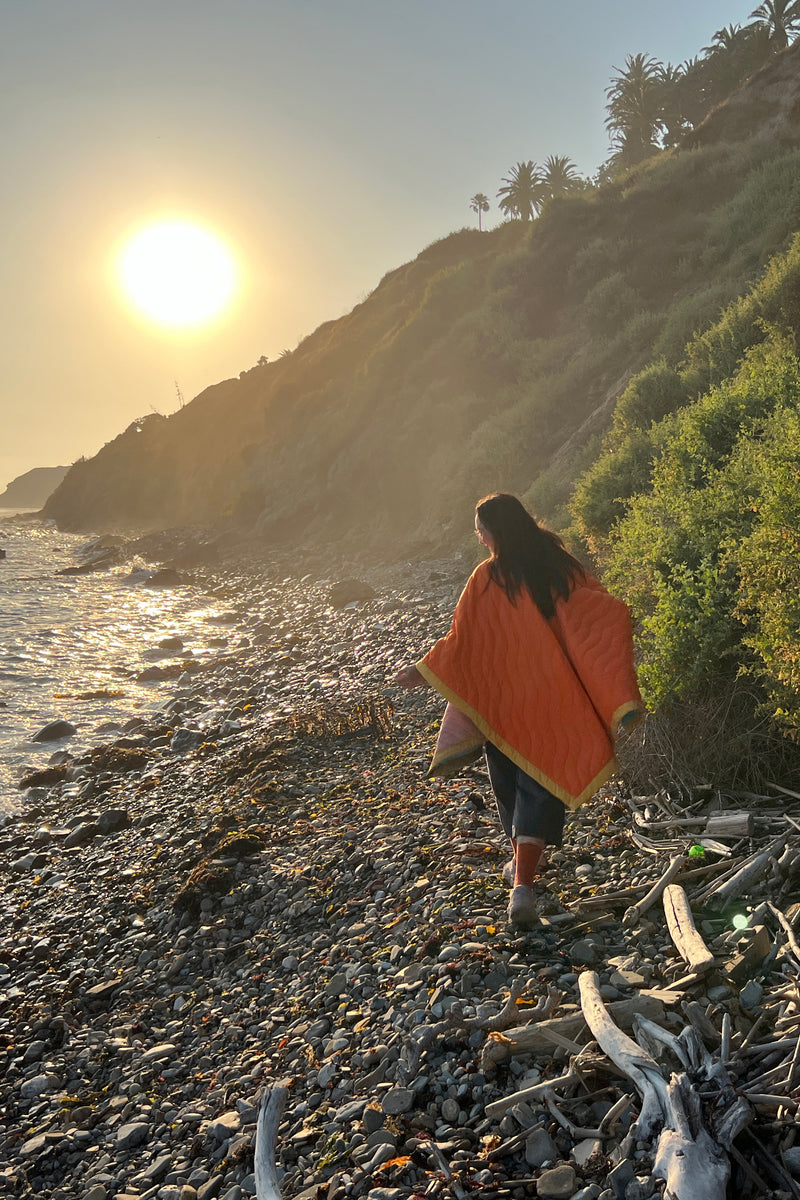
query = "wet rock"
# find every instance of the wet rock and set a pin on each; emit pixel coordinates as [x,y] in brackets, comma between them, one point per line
[54,731]
[151,675]
[167,577]
[44,778]
[29,862]
[173,643]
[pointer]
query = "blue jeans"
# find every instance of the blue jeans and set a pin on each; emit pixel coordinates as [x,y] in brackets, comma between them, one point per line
[526,808]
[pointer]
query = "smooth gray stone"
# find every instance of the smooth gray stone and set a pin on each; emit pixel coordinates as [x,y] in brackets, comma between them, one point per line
[132,1134]
[558,1183]
[539,1148]
[398,1100]
[54,731]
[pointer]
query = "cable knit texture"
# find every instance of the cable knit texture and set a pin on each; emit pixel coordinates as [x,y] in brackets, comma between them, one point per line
[549,694]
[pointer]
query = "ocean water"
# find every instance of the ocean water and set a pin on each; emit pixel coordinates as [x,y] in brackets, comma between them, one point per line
[64,636]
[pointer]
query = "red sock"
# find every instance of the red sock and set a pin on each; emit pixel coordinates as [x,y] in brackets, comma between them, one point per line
[529,851]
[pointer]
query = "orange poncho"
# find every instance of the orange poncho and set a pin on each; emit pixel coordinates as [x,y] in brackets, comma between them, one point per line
[549,694]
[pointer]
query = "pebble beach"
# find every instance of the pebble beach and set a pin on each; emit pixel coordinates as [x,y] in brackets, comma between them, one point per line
[255,885]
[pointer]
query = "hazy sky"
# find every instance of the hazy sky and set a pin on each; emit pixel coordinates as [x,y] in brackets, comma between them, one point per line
[327,142]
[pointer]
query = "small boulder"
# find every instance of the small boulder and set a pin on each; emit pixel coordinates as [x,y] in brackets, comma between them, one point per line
[398,1100]
[556,1184]
[185,740]
[350,591]
[32,1088]
[167,578]
[149,674]
[132,1134]
[539,1148]
[112,820]
[170,643]
[585,953]
[54,731]
[81,834]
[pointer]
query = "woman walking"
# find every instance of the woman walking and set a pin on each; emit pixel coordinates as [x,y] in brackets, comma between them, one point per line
[538,670]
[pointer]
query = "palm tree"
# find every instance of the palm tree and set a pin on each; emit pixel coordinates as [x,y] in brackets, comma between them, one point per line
[725,40]
[675,121]
[635,108]
[560,176]
[781,18]
[523,193]
[479,204]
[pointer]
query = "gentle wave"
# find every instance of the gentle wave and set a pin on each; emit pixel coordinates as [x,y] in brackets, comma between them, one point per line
[68,641]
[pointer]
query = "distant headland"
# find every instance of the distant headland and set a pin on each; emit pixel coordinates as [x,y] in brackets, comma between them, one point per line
[32,489]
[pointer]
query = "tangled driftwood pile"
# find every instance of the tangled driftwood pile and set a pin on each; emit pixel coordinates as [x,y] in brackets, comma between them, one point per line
[715,1081]
[734,1067]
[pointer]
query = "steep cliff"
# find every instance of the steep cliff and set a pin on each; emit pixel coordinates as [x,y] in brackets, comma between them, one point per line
[492,360]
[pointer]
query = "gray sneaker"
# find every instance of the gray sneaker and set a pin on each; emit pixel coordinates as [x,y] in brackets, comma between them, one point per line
[509,872]
[522,907]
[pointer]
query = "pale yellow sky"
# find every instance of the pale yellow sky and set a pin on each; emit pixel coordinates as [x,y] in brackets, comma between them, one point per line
[328,143]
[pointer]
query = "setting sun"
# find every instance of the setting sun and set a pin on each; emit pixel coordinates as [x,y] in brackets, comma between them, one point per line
[177,273]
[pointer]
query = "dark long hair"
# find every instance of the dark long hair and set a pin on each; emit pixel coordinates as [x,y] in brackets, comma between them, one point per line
[525,554]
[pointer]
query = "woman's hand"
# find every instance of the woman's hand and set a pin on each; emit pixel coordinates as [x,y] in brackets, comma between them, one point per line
[408,677]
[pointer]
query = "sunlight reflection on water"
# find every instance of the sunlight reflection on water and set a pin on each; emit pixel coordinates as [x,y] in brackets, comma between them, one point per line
[61,636]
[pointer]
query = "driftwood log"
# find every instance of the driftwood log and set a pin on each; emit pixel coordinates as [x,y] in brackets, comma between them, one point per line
[563,1031]
[626,1055]
[635,913]
[694,1165]
[680,923]
[269,1118]
[753,868]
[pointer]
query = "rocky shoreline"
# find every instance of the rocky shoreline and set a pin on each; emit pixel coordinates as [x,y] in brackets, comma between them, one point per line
[257,886]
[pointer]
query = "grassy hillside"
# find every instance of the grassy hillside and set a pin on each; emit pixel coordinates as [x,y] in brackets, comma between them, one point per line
[492,360]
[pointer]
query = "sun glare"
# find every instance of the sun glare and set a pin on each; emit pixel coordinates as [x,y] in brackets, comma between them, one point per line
[177,273]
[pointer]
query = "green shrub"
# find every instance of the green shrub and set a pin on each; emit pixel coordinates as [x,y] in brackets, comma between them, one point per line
[610,304]
[768,562]
[657,390]
[602,494]
[689,316]
[699,555]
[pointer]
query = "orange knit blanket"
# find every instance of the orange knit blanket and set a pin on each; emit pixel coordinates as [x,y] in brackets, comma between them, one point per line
[549,694]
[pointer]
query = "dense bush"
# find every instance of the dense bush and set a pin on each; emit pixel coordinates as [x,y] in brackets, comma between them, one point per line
[708,557]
